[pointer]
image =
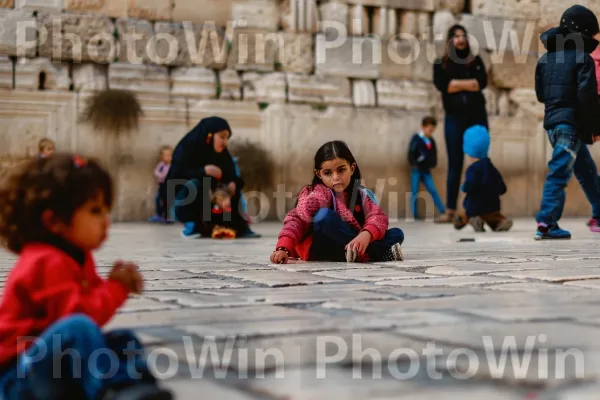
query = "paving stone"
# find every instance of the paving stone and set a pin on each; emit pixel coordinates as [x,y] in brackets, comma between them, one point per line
[137,304]
[452,281]
[589,284]
[198,300]
[446,393]
[371,274]
[479,269]
[561,275]
[536,313]
[189,284]
[278,278]
[189,389]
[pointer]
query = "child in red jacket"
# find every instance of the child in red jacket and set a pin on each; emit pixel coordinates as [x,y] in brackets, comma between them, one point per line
[53,213]
[336,219]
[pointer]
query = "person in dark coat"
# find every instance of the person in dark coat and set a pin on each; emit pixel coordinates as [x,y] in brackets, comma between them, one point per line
[201,163]
[460,76]
[565,81]
[422,156]
[483,185]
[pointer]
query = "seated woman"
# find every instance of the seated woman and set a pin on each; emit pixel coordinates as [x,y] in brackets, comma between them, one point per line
[201,163]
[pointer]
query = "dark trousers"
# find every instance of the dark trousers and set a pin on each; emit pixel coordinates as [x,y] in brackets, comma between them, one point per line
[193,204]
[161,201]
[331,235]
[454,129]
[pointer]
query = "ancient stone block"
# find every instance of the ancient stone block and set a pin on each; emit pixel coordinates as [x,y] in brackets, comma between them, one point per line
[552,10]
[230,85]
[363,93]
[513,71]
[255,14]
[356,57]
[424,5]
[508,9]
[209,47]
[40,5]
[526,103]
[11,21]
[253,49]
[454,6]
[203,11]
[7,3]
[503,104]
[358,23]
[404,94]
[424,56]
[264,88]
[194,82]
[138,78]
[41,73]
[442,21]
[408,23]
[156,10]
[313,89]
[90,77]
[299,15]
[397,59]
[385,22]
[424,25]
[111,8]
[334,13]
[491,95]
[6,72]
[134,36]
[78,38]
[298,54]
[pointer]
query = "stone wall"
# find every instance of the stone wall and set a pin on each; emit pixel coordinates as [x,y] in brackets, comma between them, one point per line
[284,73]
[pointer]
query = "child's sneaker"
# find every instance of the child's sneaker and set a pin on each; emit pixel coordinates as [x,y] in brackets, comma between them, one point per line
[351,255]
[594,225]
[394,253]
[592,221]
[477,224]
[459,222]
[551,232]
[504,226]
[189,231]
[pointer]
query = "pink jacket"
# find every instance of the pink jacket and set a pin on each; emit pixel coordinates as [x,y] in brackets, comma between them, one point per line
[596,56]
[296,224]
[161,171]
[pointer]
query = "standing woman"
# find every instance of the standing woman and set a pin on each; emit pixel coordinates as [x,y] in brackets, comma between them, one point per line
[460,76]
[201,162]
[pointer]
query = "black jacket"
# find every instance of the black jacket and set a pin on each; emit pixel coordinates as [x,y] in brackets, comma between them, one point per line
[462,102]
[419,156]
[484,186]
[565,81]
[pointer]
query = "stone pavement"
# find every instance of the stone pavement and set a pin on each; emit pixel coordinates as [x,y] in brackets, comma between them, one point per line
[503,317]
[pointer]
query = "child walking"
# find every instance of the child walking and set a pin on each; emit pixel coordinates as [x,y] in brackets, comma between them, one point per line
[335,219]
[160,173]
[53,213]
[422,156]
[483,185]
[565,81]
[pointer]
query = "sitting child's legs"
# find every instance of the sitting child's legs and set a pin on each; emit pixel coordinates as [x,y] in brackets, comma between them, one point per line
[330,236]
[388,248]
[73,357]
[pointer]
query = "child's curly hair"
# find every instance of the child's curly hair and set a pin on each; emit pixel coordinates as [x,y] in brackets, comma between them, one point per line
[61,183]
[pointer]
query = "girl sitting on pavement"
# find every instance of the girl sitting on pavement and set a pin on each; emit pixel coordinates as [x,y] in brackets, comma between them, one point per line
[53,213]
[335,218]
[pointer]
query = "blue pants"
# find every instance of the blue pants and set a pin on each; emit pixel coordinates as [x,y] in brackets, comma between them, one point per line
[416,177]
[331,235]
[74,359]
[455,127]
[569,155]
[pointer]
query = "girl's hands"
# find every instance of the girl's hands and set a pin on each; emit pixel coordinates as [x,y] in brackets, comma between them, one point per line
[279,257]
[128,274]
[360,243]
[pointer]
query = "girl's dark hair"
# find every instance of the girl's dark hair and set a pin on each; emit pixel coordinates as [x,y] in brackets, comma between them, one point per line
[333,150]
[451,54]
[61,183]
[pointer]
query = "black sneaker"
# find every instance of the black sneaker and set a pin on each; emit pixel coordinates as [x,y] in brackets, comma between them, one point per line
[477,224]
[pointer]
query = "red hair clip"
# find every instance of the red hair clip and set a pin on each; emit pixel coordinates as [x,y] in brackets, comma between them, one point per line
[79,161]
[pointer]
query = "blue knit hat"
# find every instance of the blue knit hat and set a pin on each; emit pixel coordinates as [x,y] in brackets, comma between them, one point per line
[476,142]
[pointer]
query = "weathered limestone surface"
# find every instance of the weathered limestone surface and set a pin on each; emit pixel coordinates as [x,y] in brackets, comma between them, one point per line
[552,10]
[230,84]
[363,93]
[298,53]
[508,9]
[454,6]
[168,46]
[408,23]
[7,3]
[358,22]
[356,58]
[203,11]
[264,88]
[385,22]
[254,50]
[156,10]
[112,8]
[404,94]
[134,36]
[10,20]
[6,73]
[28,74]
[138,78]
[424,5]
[255,14]
[334,13]
[397,59]
[513,70]
[90,77]
[194,82]
[526,103]
[299,15]
[40,5]
[442,21]
[319,90]
[78,38]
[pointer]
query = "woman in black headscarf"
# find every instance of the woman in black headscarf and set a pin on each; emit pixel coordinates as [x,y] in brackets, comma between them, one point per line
[460,76]
[201,163]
